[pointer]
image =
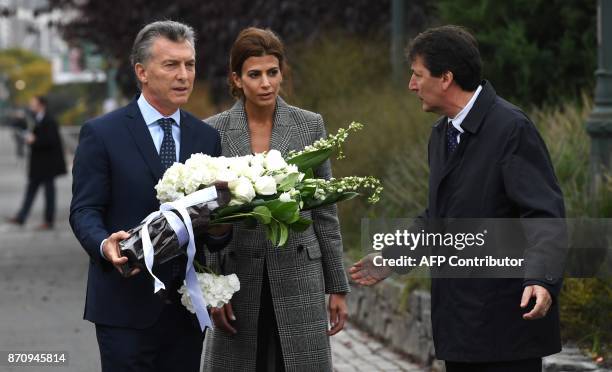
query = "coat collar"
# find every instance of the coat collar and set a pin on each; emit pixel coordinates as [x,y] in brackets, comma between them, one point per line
[475,117]
[238,135]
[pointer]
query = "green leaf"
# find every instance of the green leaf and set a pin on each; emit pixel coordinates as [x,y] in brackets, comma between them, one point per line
[262,214]
[272,232]
[310,160]
[289,182]
[301,224]
[295,217]
[309,173]
[284,211]
[284,234]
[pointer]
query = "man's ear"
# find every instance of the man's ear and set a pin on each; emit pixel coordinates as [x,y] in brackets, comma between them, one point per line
[237,80]
[447,79]
[141,73]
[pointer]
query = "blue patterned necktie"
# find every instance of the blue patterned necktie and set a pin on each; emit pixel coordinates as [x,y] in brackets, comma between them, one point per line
[167,152]
[451,138]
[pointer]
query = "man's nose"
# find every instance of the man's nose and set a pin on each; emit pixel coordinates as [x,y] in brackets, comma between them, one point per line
[412,85]
[182,73]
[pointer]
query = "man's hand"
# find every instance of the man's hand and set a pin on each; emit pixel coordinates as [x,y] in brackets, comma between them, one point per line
[542,305]
[219,230]
[366,273]
[338,312]
[112,253]
[30,138]
[223,316]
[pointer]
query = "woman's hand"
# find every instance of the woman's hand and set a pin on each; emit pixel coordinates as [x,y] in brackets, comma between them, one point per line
[338,312]
[223,316]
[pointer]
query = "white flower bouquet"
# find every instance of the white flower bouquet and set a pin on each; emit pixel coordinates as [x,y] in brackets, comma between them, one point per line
[263,188]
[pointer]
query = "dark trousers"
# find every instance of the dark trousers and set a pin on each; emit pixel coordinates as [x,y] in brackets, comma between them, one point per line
[269,352]
[173,343]
[31,189]
[527,365]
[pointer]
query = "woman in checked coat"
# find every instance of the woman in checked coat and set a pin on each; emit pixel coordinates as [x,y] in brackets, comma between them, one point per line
[278,320]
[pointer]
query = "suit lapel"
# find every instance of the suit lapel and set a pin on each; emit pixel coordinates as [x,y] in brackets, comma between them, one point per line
[142,137]
[187,138]
[282,127]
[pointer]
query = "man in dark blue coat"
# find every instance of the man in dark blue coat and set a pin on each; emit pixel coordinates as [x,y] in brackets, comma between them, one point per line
[486,160]
[120,158]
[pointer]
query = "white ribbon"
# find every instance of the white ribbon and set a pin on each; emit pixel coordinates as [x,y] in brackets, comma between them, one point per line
[184,232]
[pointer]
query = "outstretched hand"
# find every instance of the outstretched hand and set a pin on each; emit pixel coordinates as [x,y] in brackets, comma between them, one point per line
[364,272]
[542,305]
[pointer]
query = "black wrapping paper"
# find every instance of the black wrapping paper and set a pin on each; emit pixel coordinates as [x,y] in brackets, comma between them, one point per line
[164,239]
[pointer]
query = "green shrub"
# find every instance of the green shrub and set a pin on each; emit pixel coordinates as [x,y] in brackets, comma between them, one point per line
[534,51]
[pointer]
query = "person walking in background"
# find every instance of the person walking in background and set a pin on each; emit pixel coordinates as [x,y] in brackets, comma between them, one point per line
[46,162]
[277,321]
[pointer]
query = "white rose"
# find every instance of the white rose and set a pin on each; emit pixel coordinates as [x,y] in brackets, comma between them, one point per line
[241,166]
[227,175]
[274,161]
[242,189]
[258,160]
[265,185]
[254,172]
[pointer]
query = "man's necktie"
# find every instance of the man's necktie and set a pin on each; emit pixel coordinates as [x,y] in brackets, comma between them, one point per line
[167,152]
[451,138]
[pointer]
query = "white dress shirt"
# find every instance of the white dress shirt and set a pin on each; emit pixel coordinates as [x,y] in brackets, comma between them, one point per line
[458,119]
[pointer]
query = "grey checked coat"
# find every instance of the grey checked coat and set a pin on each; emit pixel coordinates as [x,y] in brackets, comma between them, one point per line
[300,273]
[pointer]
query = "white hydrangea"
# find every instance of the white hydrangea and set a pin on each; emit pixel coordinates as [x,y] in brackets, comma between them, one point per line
[216,289]
[171,186]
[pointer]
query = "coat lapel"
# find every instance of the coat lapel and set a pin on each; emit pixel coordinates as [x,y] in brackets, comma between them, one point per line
[238,136]
[442,167]
[187,138]
[142,137]
[282,128]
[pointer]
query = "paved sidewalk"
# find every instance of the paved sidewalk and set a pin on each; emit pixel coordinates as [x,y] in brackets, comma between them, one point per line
[42,290]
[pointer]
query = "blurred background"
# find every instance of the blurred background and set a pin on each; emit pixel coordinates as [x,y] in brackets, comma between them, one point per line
[346,62]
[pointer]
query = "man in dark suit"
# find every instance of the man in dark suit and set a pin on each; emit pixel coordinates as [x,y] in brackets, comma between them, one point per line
[120,158]
[486,160]
[46,162]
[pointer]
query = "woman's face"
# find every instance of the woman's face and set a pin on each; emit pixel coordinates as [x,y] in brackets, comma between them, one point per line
[260,80]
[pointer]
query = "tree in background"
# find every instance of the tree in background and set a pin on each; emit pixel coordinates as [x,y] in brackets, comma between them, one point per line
[28,74]
[534,51]
[112,26]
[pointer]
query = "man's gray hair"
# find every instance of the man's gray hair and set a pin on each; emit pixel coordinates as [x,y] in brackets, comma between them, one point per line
[171,30]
